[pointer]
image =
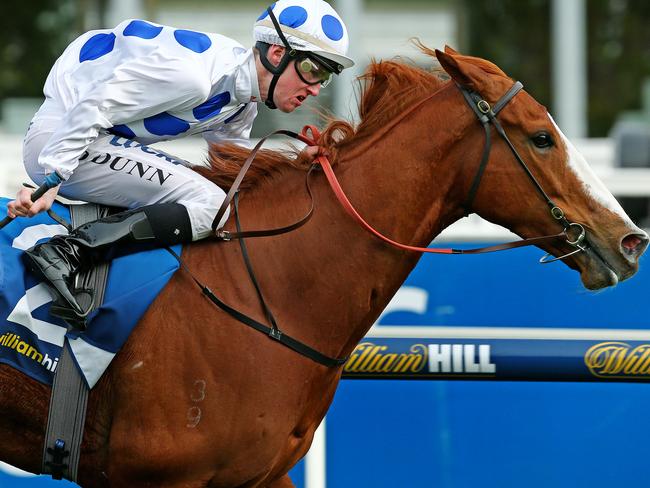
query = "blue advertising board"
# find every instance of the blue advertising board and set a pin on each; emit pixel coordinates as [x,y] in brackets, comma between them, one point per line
[493,434]
[447,434]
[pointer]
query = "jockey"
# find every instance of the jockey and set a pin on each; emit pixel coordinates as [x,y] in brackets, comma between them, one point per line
[114,92]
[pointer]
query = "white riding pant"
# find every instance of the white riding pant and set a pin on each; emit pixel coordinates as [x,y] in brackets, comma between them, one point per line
[120,172]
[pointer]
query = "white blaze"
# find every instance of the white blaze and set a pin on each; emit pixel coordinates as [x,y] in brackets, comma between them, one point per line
[593,186]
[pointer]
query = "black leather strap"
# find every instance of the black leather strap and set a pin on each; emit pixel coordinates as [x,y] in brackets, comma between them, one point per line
[276,71]
[242,172]
[249,267]
[273,333]
[471,194]
[505,99]
[225,235]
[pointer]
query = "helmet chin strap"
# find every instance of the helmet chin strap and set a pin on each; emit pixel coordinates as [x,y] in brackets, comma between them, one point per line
[275,70]
[289,54]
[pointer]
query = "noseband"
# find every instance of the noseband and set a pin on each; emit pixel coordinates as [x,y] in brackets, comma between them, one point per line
[488,116]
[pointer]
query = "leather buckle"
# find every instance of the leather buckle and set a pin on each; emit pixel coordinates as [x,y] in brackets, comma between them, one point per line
[224,235]
[483,106]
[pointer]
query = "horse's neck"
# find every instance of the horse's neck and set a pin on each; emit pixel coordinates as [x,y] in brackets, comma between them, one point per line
[331,273]
[408,181]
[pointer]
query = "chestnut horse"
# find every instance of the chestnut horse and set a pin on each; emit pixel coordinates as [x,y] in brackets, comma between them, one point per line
[196,399]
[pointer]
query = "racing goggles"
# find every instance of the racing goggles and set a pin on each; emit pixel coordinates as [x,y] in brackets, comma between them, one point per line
[312,72]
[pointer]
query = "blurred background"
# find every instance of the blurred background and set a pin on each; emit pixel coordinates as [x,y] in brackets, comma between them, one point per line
[588,61]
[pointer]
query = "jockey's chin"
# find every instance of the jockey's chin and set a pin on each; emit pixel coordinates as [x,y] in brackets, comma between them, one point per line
[289,105]
[291,92]
[288,102]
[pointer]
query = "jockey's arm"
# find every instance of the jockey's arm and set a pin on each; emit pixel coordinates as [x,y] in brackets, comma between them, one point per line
[236,131]
[139,88]
[310,153]
[23,206]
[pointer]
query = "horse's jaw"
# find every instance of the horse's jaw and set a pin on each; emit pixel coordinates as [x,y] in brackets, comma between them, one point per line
[600,275]
[604,264]
[604,259]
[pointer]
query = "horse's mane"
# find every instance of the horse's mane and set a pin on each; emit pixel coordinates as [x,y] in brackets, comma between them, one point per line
[387,88]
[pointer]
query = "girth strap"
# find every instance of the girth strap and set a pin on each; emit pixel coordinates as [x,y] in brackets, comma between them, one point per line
[69,396]
[273,331]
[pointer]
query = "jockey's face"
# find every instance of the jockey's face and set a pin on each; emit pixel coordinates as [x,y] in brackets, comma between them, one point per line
[291,91]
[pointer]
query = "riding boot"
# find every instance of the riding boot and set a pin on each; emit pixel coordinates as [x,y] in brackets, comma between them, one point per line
[60,259]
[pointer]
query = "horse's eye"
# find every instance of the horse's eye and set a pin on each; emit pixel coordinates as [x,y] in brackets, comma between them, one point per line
[542,140]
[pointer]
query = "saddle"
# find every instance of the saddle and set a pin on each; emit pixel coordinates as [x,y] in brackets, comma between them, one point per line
[31,337]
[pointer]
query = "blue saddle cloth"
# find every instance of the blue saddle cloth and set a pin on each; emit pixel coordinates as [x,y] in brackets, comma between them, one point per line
[31,339]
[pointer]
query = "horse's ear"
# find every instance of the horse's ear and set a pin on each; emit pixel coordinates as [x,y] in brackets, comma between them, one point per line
[454,68]
[449,50]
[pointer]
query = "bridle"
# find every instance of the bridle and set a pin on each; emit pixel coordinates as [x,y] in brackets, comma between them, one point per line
[572,233]
[488,116]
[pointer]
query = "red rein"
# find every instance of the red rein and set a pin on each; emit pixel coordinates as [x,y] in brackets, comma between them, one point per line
[349,208]
[340,195]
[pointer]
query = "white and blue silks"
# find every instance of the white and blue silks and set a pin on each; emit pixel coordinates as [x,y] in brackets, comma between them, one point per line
[150,83]
[31,339]
[114,93]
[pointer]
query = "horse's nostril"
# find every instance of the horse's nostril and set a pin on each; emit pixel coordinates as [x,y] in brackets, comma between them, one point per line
[634,243]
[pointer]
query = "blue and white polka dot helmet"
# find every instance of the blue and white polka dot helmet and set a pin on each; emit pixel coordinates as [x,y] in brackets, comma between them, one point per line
[308,25]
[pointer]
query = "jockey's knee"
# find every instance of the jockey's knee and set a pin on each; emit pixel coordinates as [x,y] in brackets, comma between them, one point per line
[203,210]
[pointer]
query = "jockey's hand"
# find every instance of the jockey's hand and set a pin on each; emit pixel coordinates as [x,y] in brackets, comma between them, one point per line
[312,152]
[23,206]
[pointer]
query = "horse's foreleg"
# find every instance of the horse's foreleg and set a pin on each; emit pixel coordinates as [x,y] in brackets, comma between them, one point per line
[284,482]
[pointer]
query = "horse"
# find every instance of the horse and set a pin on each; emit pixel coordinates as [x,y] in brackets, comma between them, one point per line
[196,399]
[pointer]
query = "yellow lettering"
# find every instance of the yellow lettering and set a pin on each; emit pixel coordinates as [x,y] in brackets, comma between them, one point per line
[386,362]
[644,367]
[34,354]
[420,357]
[377,355]
[364,348]
[371,358]
[604,358]
[372,352]
[615,358]
[638,358]
[367,350]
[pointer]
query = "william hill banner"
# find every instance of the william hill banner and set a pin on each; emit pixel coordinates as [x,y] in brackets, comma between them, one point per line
[499,359]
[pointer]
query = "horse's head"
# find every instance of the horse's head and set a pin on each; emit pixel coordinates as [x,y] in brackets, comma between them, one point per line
[507,195]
